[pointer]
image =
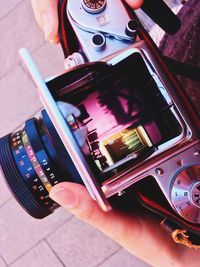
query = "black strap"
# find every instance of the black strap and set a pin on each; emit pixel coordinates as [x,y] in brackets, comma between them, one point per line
[159,12]
[183,69]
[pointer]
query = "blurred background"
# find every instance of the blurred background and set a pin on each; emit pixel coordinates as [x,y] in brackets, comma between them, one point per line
[59,240]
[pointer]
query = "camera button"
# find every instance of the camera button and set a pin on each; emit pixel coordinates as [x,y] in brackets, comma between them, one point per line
[132,28]
[74,60]
[98,41]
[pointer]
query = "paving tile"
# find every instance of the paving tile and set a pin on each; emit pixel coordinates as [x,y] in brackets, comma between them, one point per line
[4,192]
[18,29]
[6,6]
[123,258]
[49,59]
[79,245]
[19,232]
[2,263]
[40,255]
[18,100]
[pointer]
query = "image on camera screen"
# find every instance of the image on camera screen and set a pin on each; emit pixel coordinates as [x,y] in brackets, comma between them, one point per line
[125,112]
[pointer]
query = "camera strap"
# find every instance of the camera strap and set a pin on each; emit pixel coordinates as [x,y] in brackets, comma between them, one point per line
[183,69]
[172,223]
[181,231]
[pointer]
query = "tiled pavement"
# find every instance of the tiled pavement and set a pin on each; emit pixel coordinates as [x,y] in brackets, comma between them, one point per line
[59,240]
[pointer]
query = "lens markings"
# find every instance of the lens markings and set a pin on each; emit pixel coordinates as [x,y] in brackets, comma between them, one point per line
[35,163]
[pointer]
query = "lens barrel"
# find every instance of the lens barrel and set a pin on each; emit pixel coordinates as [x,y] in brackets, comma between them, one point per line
[33,160]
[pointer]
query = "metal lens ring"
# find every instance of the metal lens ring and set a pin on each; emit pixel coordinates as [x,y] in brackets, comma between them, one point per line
[36,169]
[33,160]
[34,164]
[16,183]
[30,168]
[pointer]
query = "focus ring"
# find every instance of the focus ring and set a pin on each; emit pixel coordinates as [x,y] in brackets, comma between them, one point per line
[15,182]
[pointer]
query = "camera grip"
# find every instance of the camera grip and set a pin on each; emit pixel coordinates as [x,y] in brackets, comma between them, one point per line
[161,14]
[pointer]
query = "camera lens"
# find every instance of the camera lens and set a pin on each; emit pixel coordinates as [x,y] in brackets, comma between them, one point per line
[33,160]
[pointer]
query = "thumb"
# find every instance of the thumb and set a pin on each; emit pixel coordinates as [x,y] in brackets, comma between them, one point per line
[135,3]
[75,198]
[46,14]
[138,234]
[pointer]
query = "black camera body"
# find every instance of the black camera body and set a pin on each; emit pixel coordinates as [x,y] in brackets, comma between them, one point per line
[116,117]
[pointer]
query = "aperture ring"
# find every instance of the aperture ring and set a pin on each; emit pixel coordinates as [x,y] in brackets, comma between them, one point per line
[30,175]
[15,182]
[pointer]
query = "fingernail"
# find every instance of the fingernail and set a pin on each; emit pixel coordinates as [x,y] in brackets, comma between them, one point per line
[47,27]
[64,197]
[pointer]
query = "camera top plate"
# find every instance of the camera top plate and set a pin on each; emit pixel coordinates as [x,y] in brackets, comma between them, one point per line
[105,22]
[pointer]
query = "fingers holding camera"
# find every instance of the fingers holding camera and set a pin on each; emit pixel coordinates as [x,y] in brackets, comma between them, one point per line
[46,14]
[140,235]
[76,199]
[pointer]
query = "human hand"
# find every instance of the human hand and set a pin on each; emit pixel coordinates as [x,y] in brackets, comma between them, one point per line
[138,233]
[46,14]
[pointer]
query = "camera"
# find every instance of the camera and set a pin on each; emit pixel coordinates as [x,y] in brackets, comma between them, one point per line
[115,117]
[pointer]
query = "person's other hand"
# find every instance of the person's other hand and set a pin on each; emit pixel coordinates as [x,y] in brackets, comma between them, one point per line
[46,14]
